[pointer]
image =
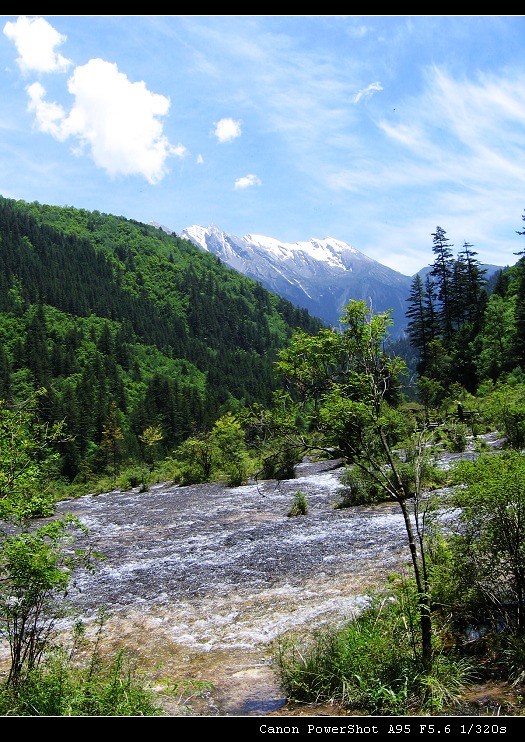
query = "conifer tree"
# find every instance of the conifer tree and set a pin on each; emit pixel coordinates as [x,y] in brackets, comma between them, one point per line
[518,350]
[417,328]
[469,287]
[442,272]
[111,435]
[36,350]
[423,323]
[5,374]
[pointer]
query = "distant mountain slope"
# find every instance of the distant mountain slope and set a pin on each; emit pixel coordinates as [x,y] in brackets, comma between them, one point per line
[320,275]
[490,269]
[103,310]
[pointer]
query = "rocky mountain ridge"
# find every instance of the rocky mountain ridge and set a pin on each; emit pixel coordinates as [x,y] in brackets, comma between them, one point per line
[320,275]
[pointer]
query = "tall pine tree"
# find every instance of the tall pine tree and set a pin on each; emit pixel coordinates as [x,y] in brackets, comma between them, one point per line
[443,274]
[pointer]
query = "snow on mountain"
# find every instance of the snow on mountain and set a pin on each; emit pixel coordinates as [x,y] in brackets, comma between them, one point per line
[321,275]
[338,255]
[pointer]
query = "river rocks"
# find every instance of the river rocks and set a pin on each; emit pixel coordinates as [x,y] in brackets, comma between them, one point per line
[202,579]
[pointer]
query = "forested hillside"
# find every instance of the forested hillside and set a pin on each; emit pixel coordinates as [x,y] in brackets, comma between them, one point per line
[468,332]
[129,329]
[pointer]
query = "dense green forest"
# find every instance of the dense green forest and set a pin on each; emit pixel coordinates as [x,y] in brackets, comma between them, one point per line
[466,331]
[123,346]
[129,329]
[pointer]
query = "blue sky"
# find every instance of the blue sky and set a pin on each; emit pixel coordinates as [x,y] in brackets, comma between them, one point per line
[373,130]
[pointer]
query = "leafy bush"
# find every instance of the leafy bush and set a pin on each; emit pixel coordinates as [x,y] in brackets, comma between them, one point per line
[358,489]
[420,475]
[300,504]
[98,688]
[456,437]
[486,540]
[36,573]
[136,476]
[279,465]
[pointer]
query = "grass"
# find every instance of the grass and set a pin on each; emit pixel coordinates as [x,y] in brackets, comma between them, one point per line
[97,688]
[299,505]
[372,666]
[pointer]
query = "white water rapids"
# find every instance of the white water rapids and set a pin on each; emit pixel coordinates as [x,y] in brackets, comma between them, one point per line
[199,581]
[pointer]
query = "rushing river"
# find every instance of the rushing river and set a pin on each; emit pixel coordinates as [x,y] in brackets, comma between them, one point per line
[198,582]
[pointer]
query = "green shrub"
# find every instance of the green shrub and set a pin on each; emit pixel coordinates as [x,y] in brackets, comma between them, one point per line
[512,659]
[358,489]
[456,437]
[421,476]
[300,504]
[280,465]
[97,688]
[134,477]
[236,474]
[371,665]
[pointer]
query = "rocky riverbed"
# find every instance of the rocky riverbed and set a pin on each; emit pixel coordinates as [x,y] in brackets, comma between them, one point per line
[198,582]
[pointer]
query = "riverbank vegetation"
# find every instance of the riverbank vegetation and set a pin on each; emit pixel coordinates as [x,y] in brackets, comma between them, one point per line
[474,539]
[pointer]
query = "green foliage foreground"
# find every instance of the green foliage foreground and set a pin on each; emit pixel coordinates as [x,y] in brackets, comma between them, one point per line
[37,563]
[476,567]
[99,688]
[411,651]
[373,664]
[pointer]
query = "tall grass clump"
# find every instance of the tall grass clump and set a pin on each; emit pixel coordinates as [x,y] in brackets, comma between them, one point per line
[371,665]
[299,505]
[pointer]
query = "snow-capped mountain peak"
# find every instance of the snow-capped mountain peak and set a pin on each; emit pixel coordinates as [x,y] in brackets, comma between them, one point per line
[321,275]
[328,250]
[333,252]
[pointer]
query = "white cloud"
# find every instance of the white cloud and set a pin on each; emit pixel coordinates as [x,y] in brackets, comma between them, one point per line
[117,119]
[247,181]
[368,91]
[49,116]
[477,137]
[200,159]
[226,130]
[35,40]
